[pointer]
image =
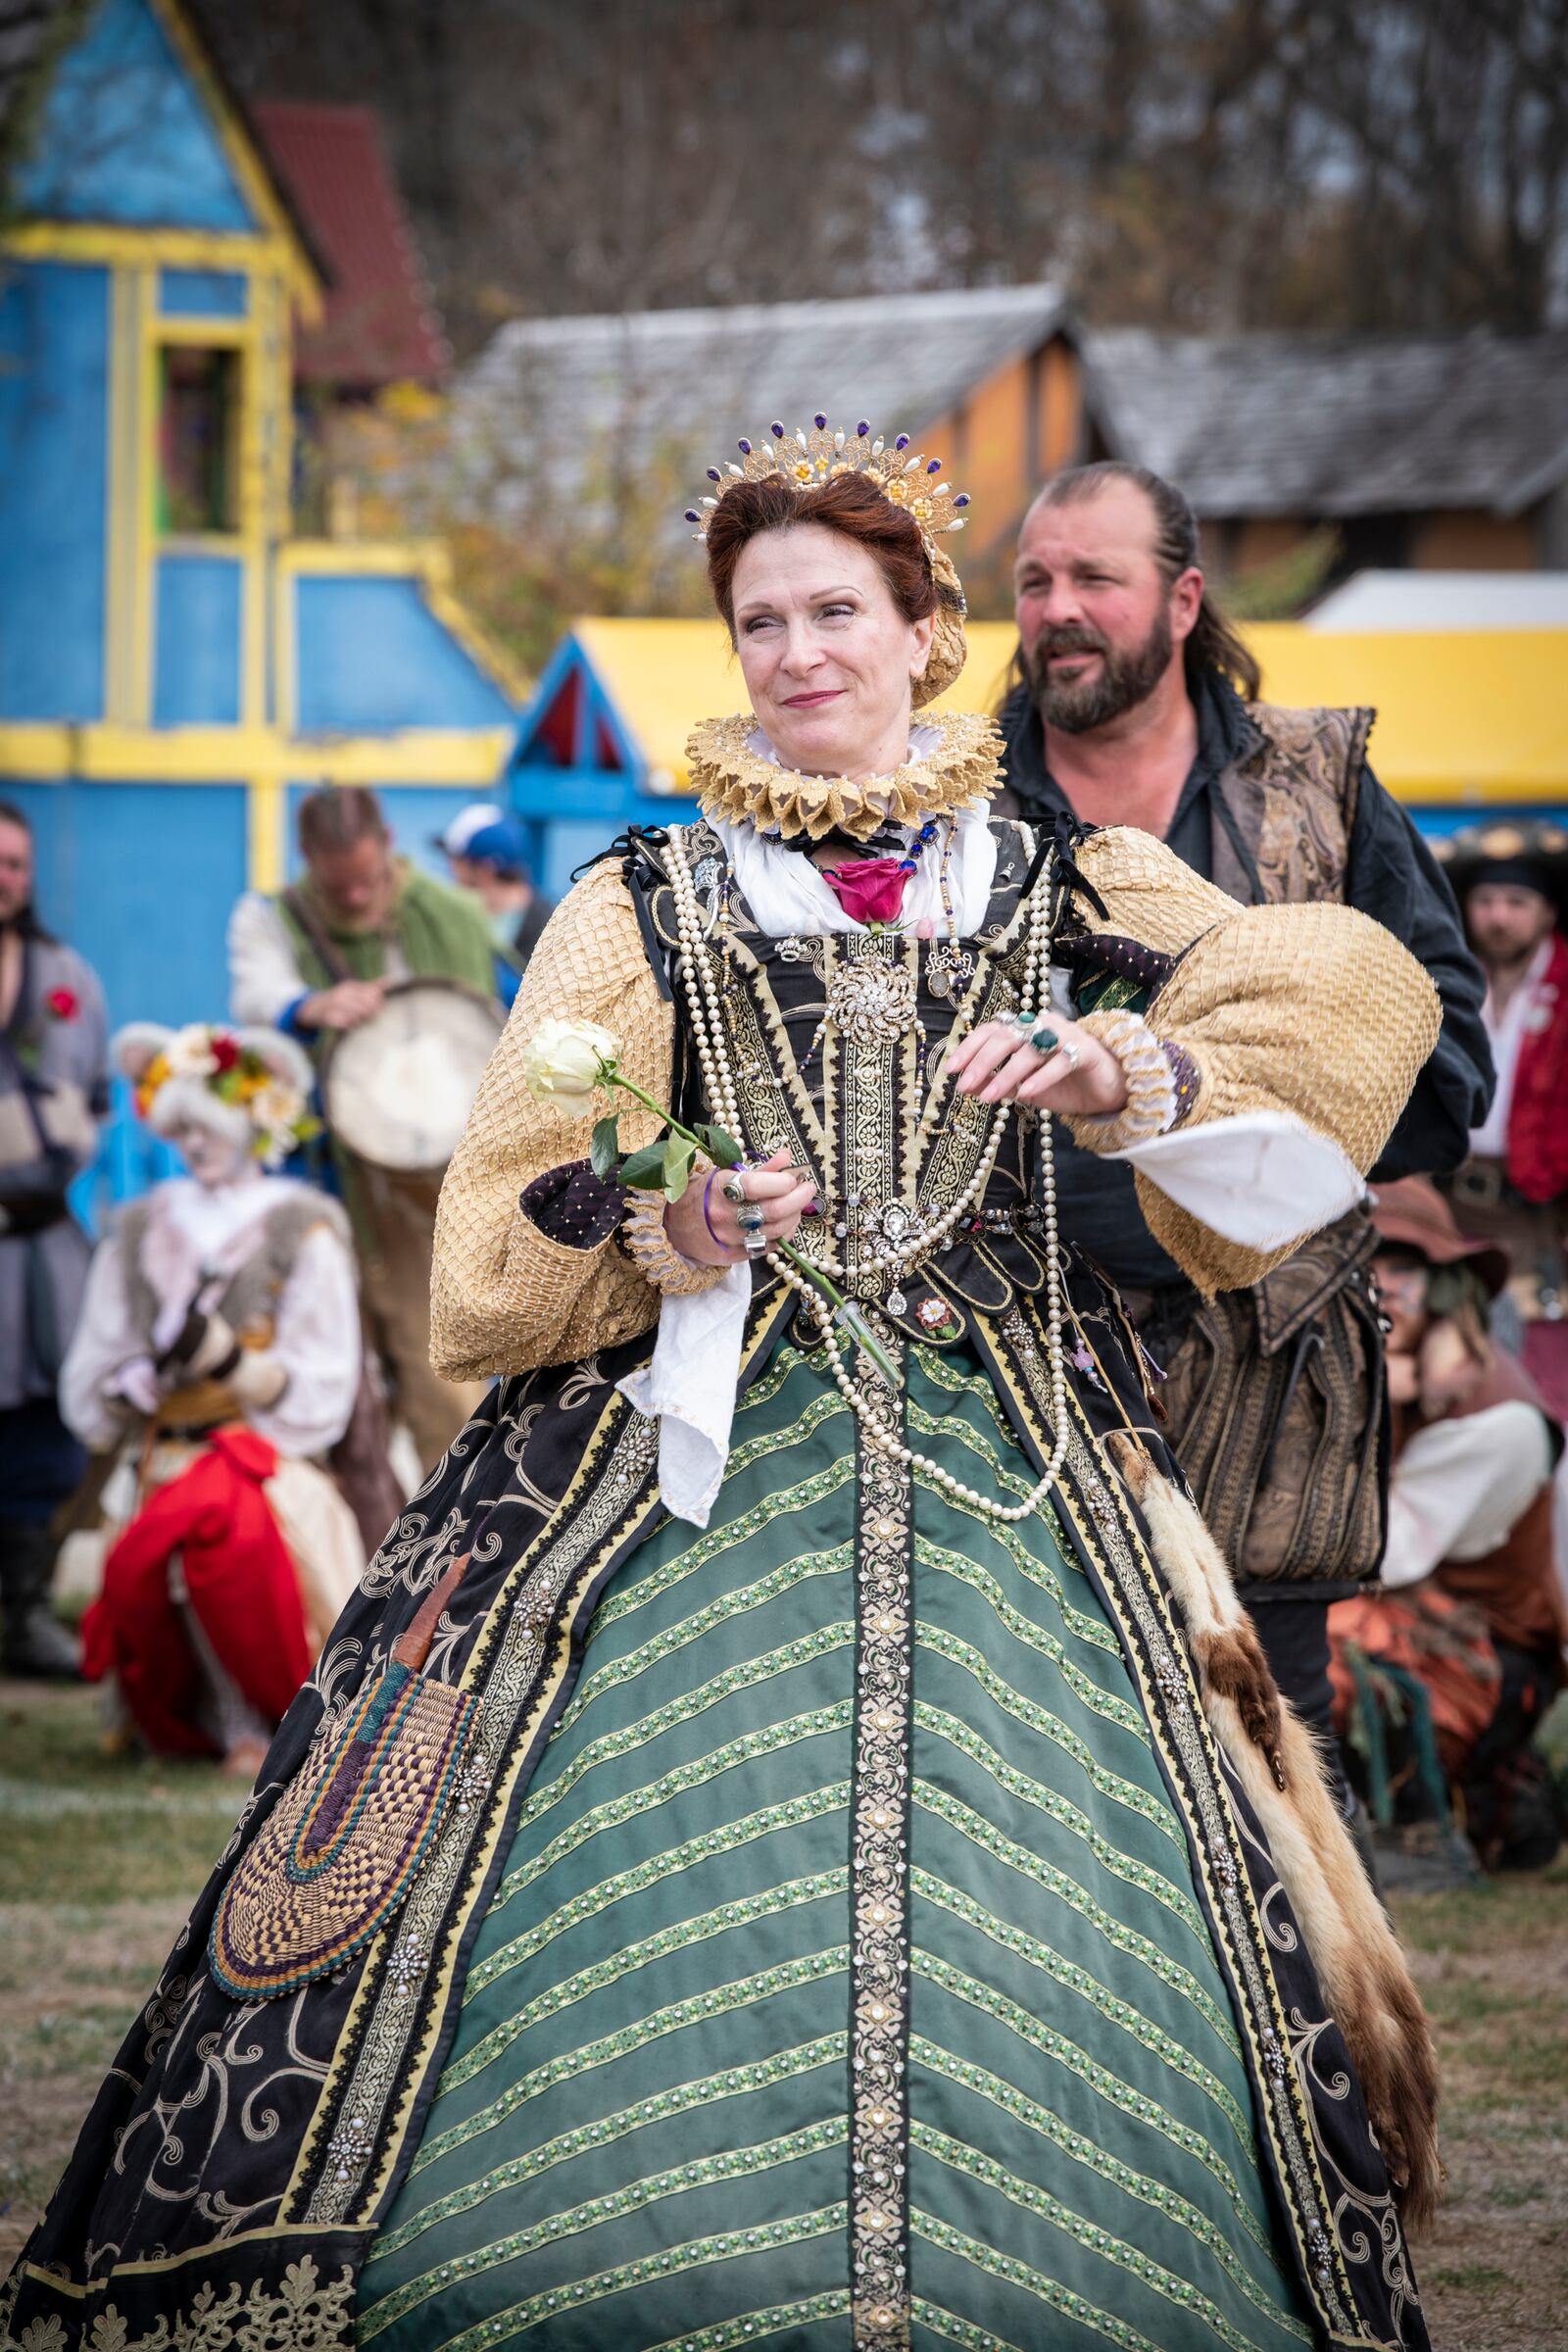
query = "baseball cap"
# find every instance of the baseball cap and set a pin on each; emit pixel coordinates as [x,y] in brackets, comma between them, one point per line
[465,825]
[500,844]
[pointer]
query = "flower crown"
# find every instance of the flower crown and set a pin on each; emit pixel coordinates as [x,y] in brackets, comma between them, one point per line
[237,1075]
[806,458]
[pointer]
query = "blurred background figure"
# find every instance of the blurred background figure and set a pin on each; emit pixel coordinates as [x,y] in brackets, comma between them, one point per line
[54,1087]
[1513,882]
[488,856]
[1443,1670]
[218,1353]
[320,961]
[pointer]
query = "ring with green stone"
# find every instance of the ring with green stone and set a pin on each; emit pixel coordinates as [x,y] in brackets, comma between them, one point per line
[1044,1038]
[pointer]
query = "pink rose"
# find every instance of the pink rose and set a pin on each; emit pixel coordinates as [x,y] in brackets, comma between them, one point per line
[873,890]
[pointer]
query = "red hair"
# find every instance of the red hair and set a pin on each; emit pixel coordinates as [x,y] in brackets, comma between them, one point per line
[846,503]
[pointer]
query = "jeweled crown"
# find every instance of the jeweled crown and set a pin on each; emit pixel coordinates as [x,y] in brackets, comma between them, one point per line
[807,459]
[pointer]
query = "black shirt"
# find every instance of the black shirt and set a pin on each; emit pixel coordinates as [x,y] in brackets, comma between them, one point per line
[1389,874]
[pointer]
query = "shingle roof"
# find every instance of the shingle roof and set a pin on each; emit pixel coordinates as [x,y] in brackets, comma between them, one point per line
[379,323]
[557,392]
[1336,424]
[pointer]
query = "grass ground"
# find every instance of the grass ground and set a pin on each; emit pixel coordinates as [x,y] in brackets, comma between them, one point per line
[100,1858]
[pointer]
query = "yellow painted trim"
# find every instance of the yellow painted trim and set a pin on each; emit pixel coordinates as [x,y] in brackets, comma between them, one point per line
[110,245]
[251,756]
[144,551]
[255,181]
[120,521]
[422,755]
[396,558]
[265,833]
[38,751]
[247,544]
[232,334]
[285,645]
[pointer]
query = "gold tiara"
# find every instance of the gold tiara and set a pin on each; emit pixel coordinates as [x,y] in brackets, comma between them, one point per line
[806,458]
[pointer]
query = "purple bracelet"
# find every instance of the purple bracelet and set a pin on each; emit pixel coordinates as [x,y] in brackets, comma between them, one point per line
[707,1194]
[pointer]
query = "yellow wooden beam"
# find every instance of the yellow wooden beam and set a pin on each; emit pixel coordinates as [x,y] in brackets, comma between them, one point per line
[234,334]
[266,832]
[120,535]
[392,559]
[110,245]
[40,750]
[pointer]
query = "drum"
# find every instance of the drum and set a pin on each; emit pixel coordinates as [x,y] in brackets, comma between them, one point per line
[397,1091]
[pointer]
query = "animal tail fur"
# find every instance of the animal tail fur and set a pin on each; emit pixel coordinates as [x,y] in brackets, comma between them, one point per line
[1360,1967]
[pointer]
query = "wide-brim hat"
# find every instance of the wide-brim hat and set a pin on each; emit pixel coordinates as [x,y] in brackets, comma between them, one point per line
[1414,1213]
[1531,851]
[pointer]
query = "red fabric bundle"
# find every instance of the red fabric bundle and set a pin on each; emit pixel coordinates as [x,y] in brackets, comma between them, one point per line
[243,1588]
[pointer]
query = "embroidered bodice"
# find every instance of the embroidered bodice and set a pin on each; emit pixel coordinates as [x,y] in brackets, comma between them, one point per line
[837,1046]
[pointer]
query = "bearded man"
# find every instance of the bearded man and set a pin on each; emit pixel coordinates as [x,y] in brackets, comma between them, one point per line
[1137,704]
[54,1088]
[318,960]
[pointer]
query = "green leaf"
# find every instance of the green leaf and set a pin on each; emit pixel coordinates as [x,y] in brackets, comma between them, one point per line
[721,1149]
[605,1150]
[679,1153]
[644,1170]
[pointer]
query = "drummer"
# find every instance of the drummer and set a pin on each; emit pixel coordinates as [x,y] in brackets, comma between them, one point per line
[317,960]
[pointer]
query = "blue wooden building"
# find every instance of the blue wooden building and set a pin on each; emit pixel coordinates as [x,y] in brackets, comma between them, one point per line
[176,666]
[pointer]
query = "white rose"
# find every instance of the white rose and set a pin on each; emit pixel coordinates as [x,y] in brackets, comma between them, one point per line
[562,1062]
[189,1052]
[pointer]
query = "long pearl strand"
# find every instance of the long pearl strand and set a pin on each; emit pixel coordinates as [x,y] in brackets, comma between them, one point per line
[898,1258]
[723,1095]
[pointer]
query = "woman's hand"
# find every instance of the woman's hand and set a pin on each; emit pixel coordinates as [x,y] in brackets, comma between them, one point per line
[781,1189]
[996,1064]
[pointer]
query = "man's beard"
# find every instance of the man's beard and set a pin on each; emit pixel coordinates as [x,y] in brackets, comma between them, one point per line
[1124,680]
[1500,952]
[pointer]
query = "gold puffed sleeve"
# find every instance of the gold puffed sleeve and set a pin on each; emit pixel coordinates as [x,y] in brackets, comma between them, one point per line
[504,1296]
[1315,1010]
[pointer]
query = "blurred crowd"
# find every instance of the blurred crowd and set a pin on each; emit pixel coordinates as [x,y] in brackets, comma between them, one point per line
[230,1396]
[233,1390]
[1445,1669]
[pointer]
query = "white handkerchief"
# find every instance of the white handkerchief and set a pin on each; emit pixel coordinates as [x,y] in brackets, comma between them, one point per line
[689,1389]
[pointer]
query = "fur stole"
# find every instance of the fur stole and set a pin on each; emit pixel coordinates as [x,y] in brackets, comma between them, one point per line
[1365,1979]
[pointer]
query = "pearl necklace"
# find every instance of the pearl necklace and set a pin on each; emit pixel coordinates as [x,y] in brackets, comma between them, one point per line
[896,1257]
[723,1095]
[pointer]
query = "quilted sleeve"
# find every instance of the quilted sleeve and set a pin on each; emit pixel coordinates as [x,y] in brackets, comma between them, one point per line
[505,1296]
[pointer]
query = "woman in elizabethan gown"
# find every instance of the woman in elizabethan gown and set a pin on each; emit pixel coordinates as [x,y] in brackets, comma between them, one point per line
[781,1851]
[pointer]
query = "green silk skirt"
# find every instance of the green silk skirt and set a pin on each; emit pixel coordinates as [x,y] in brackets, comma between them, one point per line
[846,1981]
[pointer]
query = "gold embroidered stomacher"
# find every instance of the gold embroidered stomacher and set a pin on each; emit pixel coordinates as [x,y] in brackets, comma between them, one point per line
[733,781]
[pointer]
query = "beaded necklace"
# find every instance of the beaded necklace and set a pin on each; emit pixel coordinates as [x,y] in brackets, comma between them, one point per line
[894,1257]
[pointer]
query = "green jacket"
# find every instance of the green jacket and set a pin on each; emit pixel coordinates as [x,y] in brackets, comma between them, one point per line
[442,933]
